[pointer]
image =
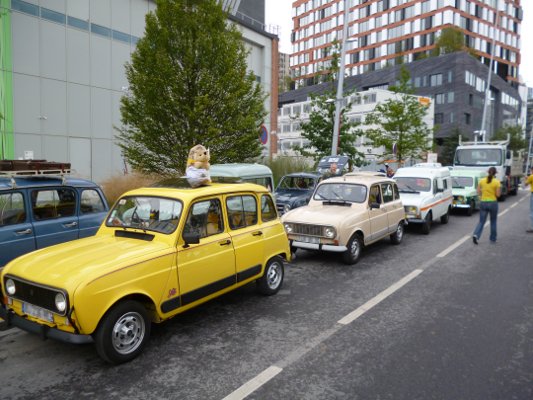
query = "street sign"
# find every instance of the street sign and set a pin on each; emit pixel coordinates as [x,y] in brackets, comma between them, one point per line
[263,134]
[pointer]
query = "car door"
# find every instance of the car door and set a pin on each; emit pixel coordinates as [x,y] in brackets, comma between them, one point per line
[209,266]
[54,215]
[92,212]
[246,234]
[379,224]
[393,205]
[16,231]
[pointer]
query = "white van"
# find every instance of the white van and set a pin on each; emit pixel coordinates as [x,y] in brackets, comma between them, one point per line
[426,193]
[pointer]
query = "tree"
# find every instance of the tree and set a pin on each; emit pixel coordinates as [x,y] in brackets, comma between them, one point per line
[449,145]
[450,40]
[398,123]
[517,142]
[188,84]
[318,129]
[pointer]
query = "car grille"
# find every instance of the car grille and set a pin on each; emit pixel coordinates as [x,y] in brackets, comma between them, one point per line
[34,294]
[310,230]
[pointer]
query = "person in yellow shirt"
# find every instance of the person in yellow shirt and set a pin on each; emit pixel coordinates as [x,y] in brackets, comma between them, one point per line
[529,182]
[488,189]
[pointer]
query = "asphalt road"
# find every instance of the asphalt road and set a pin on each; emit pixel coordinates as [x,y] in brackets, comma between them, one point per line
[434,318]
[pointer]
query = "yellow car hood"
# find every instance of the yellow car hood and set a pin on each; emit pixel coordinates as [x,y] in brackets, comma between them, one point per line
[68,264]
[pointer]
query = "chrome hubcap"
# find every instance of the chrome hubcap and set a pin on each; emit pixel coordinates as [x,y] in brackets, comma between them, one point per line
[355,248]
[128,333]
[274,275]
[399,231]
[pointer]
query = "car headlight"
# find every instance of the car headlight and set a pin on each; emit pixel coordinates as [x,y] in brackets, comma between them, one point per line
[330,232]
[286,208]
[288,228]
[10,287]
[411,210]
[61,302]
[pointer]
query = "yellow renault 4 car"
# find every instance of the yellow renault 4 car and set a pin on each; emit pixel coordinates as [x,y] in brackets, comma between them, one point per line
[161,251]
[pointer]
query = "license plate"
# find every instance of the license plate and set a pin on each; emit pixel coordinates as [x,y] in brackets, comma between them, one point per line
[307,239]
[37,312]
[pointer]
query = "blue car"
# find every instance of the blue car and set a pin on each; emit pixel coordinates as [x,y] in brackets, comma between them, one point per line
[43,210]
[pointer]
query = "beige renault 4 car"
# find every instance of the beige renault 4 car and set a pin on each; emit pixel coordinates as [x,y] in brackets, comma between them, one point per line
[347,213]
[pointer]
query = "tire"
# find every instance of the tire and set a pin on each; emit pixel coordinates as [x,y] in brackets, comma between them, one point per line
[123,332]
[446,217]
[426,225]
[355,246]
[272,278]
[396,237]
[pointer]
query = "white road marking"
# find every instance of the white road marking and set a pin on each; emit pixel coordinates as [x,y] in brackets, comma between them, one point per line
[503,212]
[379,298]
[445,252]
[514,205]
[253,384]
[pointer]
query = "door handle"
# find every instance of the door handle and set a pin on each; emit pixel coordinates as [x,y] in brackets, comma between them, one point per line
[258,233]
[225,242]
[70,224]
[24,232]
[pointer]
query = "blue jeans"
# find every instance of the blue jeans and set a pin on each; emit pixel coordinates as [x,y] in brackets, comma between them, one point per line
[488,207]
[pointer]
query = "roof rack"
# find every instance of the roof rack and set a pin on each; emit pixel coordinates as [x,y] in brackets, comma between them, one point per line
[40,174]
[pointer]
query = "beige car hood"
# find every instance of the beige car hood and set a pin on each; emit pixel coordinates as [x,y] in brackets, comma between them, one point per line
[324,214]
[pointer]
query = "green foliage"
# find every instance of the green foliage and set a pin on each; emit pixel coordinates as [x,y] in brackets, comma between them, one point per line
[188,85]
[400,121]
[518,141]
[319,128]
[450,40]
[281,166]
[450,143]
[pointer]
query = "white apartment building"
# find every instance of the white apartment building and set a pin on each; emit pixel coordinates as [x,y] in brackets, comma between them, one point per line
[290,117]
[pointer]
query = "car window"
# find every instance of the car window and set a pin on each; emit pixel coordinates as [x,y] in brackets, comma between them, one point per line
[341,191]
[388,194]
[374,195]
[413,185]
[205,218]
[53,203]
[12,209]
[91,202]
[268,209]
[148,213]
[396,192]
[242,211]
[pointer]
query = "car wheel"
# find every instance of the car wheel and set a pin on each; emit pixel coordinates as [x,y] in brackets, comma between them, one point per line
[272,278]
[123,332]
[355,246]
[426,225]
[446,217]
[470,210]
[396,237]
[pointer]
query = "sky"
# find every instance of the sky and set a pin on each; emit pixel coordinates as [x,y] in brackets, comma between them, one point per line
[278,12]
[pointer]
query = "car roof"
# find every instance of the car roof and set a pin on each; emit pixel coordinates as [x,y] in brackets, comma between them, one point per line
[304,175]
[239,170]
[39,181]
[364,179]
[421,172]
[189,193]
[468,172]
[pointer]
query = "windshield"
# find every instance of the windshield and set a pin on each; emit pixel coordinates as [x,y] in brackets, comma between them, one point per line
[459,182]
[296,183]
[478,157]
[147,213]
[341,191]
[413,185]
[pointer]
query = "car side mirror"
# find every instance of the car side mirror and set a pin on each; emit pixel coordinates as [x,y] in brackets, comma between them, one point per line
[374,205]
[191,238]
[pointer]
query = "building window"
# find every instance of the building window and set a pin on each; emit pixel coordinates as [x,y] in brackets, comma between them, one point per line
[440,98]
[435,80]
[24,7]
[78,23]
[53,16]
[439,118]
[451,97]
[468,118]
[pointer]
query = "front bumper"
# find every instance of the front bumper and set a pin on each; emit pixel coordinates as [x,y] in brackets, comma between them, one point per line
[460,205]
[45,331]
[317,246]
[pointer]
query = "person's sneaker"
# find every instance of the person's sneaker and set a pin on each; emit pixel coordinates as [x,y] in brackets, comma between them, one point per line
[529,230]
[474,239]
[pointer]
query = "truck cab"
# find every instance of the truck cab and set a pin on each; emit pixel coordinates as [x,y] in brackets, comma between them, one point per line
[481,156]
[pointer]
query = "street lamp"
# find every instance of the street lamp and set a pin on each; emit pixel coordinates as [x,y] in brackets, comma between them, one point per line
[340,83]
